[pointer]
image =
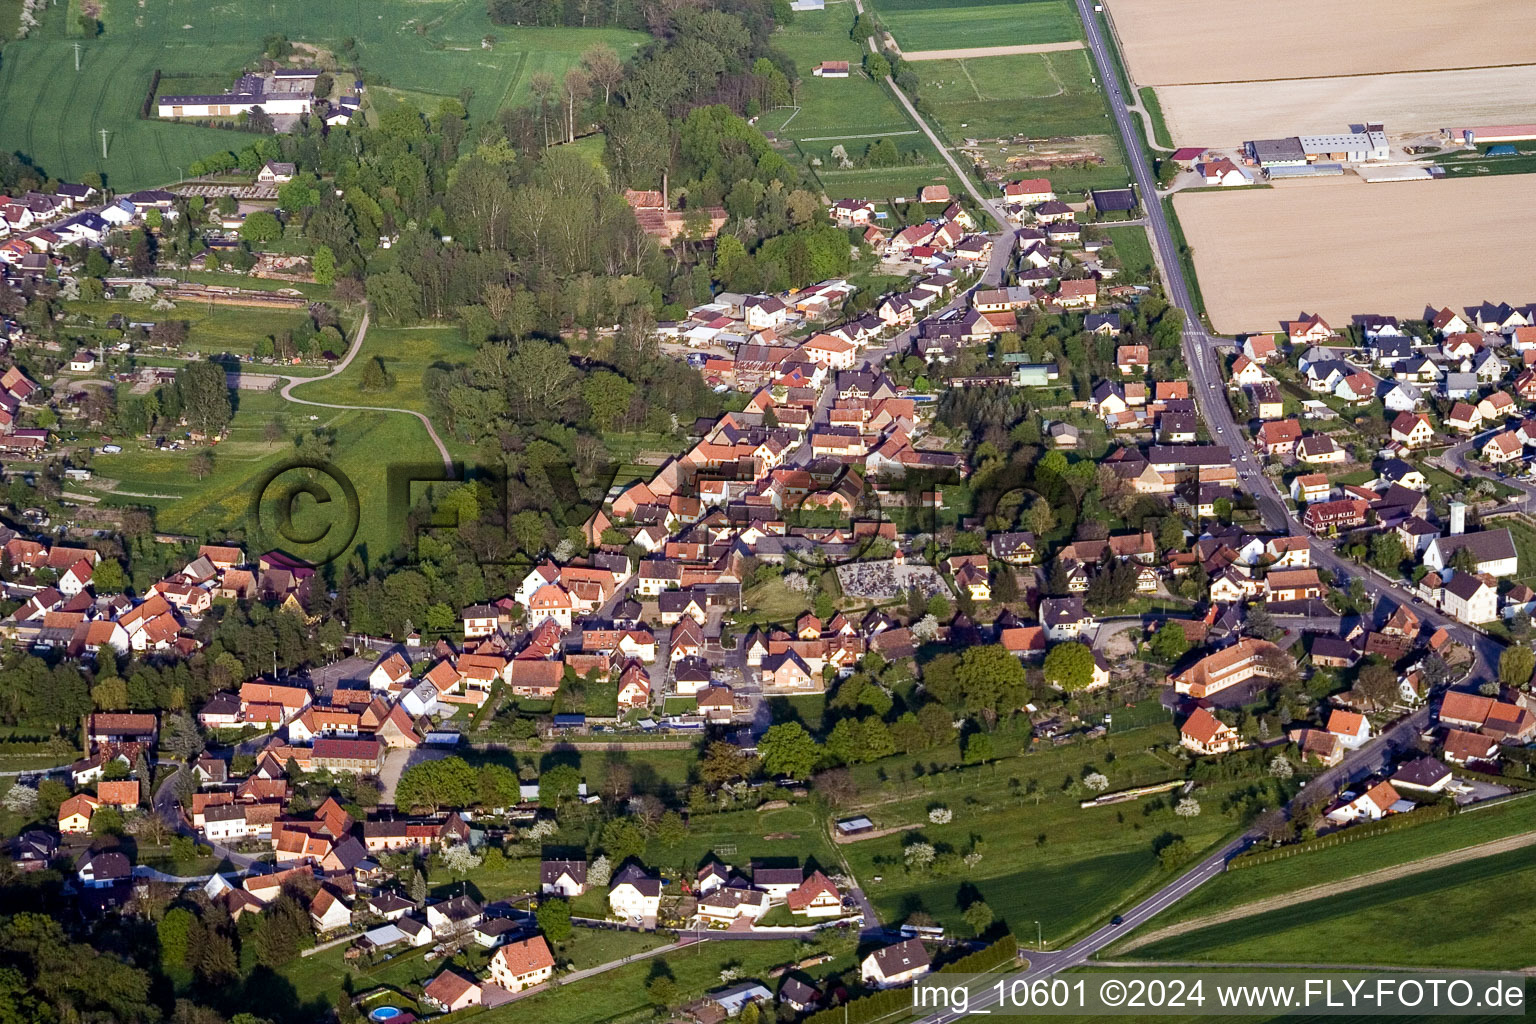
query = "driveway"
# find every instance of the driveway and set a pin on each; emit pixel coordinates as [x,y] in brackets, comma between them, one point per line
[397,760]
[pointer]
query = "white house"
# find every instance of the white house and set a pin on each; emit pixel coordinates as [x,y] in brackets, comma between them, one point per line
[636,899]
[1352,729]
[1372,805]
[1469,598]
[1492,550]
[895,965]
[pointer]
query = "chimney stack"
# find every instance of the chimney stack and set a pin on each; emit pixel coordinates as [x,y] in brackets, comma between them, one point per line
[1458,518]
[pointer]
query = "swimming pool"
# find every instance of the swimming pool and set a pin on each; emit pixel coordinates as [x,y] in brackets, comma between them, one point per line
[384,1013]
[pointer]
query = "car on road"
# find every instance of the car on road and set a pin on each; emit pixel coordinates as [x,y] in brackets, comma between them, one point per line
[1117,919]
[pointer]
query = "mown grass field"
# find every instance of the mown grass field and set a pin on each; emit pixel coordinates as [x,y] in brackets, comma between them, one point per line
[919,25]
[1134,251]
[220,503]
[54,115]
[407,353]
[214,330]
[1043,857]
[1454,917]
[853,112]
[1041,95]
[1331,864]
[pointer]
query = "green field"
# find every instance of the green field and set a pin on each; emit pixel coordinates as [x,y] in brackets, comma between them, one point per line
[1461,916]
[1525,546]
[1317,867]
[941,27]
[1043,857]
[1134,251]
[407,353]
[215,330]
[54,115]
[853,112]
[364,443]
[1041,95]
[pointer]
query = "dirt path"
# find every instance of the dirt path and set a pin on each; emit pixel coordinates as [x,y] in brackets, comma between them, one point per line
[357,346]
[993,51]
[1315,892]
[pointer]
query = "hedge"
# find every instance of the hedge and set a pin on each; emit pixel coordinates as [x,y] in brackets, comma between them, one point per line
[1434,812]
[149,97]
[899,1000]
[1004,950]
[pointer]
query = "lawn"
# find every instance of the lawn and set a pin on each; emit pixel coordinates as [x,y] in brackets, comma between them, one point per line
[407,353]
[55,115]
[1043,857]
[1525,545]
[852,112]
[1453,917]
[219,505]
[929,26]
[215,330]
[1132,248]
[621,992]
[773,602]
[1154,109]
[1316,867]
[739,837]
[1039,95]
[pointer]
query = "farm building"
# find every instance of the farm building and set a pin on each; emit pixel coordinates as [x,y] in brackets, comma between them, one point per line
[285,91]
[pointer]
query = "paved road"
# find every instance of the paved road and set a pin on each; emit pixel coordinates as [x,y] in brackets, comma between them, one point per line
[357,345]
[1200,351]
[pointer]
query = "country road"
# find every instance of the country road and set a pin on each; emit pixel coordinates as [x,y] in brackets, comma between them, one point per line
[357,346]
[1201,352]
[1450,858]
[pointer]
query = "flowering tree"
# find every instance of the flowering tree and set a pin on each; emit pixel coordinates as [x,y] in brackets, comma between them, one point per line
[1096,781]
[1189,807]
[941,815]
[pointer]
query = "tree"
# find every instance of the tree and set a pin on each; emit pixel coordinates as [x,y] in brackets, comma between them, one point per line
[375,376]
[979,916]
[979,749]
[1516,665]
[877,66]
[1040,517]
[662,988]
[261,226]
[200,465]
[554,917]
[460,860]
[788,750]
[1173,852]
[558,785]
[323,263]
[108,577]
[1069,666]
[174,930]
[1096,782]
[1281,768]
[1388,552]
[418,888]
[623,838]
[671,830]
[1261,624]
[1169,643]
[607,395]
[1378,682]
[721,763]
[1188,807]
[203,390]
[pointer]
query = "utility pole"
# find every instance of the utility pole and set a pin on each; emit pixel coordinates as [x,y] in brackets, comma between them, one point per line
[103,143]
[77,56]
[1039,937]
